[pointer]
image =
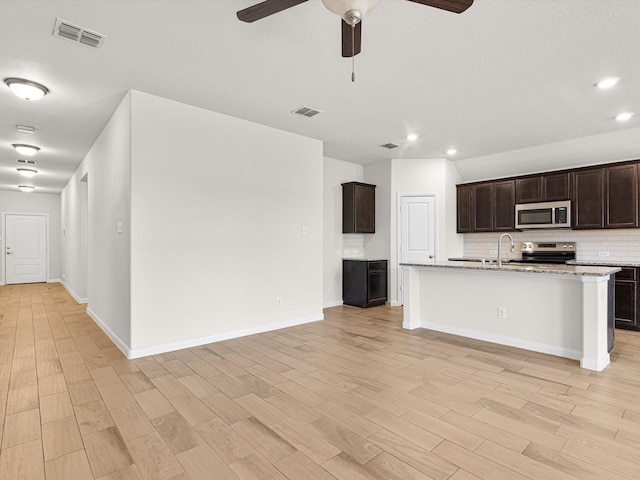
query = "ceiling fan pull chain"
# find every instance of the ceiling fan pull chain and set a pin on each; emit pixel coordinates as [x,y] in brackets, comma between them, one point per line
[353,52]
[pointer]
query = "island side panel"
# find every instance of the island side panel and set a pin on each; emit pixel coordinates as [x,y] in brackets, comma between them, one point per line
[595,354]
[543,312]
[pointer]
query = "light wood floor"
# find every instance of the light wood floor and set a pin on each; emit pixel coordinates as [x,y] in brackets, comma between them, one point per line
[352,397]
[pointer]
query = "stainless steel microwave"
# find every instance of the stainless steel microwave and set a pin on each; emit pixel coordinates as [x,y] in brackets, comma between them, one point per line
[543,215]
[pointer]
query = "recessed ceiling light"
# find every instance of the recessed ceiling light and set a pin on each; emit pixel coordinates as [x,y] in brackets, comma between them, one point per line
[624,116]
[24,149]
[452,151]
[27,172]
[26,188]
[26,88]
[607,82]
[412,137]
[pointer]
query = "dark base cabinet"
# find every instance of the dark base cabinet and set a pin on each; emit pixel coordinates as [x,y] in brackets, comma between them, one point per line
[626,299]
[364,282]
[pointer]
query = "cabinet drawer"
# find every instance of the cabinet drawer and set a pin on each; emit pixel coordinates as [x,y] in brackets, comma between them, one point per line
[377,265]
[627,273]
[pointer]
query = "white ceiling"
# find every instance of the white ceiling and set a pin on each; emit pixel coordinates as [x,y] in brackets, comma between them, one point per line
[505,75]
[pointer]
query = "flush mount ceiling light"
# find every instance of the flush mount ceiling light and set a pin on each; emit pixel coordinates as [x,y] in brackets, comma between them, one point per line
[24,149]
[412,137]
[26,88]
[27,172]
[26,188]
[452,151]
[607,82]
[624,116]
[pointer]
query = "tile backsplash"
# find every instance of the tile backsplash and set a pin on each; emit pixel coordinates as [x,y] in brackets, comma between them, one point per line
[352,246]
[619,245]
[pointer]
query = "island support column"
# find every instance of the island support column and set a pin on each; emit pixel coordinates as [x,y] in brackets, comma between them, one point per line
[595,321]
[410,298]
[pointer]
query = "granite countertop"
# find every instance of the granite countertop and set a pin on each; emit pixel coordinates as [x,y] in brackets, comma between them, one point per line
[522,267]
[365,259]
[605,263]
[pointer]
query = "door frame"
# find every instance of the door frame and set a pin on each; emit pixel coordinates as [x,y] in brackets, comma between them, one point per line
[3,273]
[399,197]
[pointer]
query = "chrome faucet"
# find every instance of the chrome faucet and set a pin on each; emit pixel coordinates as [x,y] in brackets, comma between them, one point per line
[513,248]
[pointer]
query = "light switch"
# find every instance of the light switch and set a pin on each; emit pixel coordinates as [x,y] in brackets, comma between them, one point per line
[304,230]
[119,227]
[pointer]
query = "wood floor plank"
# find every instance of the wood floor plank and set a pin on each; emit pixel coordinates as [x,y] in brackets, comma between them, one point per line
[352,397]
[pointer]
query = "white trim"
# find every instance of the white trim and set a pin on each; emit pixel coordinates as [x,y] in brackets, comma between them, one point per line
[105,328]
[597,365]
[510,341]
[395,303]
[333,303]
[54,280]
[196,342]
[73,294]
[4,260]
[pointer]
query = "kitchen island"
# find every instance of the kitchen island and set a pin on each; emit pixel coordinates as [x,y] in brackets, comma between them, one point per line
[563,310]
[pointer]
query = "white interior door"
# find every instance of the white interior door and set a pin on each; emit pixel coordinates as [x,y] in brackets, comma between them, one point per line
[417,232]
[25,248]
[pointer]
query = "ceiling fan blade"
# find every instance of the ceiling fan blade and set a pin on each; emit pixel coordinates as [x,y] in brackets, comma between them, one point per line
[266,8]
[455,6]
[350,49]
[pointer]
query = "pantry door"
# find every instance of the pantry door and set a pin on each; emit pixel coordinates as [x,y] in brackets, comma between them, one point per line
[25,248]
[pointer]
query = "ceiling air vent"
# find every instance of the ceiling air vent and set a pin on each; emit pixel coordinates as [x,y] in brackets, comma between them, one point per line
[26,162]
[390,145]
[306,112]
[69,31]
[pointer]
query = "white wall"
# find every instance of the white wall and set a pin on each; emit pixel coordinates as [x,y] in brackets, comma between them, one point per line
[578,152]
[46,203]
[217,210]
[377,245]
[107,285]
[337,245]
[425,176]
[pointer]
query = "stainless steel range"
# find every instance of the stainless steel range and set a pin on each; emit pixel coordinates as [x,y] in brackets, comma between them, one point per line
[547,252]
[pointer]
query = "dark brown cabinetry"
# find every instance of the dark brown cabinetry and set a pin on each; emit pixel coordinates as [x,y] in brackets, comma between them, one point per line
[626,302]
[364,282]
[555,186]
[546,187]
[482,207]
[358,208]
[463,209]
[621,196]
[504,194]
[588,198]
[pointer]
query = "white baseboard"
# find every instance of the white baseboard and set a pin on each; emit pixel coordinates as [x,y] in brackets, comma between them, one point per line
[196,342]
[54,280]
[510,341]
[105,328]
[332,303]
[72,293]
[395,303]
[597,365]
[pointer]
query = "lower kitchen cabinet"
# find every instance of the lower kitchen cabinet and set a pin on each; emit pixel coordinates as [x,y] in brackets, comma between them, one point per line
[364,282]
[626,303]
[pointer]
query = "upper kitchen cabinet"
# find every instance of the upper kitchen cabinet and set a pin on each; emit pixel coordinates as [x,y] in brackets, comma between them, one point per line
[588,198]
[546,187]
[358,208]
[504,203]
[555,186]
[463,208]
[482,207]
[621,196]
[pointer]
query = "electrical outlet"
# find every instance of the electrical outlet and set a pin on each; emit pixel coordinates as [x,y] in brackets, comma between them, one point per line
[603,253]
[493,252]
[278,301]
[502,312]
[304,230]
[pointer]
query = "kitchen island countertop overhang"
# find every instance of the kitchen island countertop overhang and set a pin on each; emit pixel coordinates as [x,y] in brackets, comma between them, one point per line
[563,310]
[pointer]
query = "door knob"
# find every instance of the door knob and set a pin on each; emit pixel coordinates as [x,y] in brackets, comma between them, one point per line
[9,253]
[430,256]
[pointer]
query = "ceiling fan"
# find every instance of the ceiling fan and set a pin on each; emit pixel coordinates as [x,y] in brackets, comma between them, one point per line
[350,11]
